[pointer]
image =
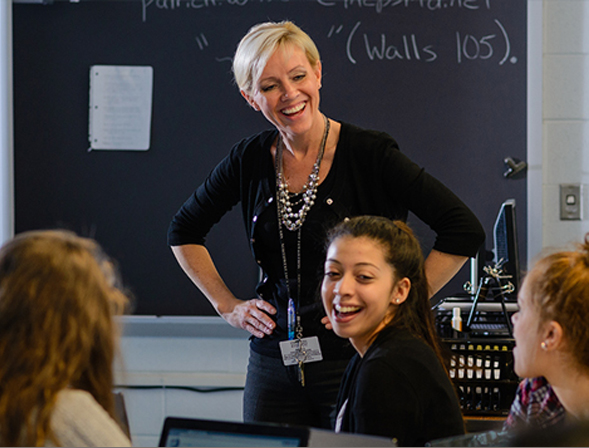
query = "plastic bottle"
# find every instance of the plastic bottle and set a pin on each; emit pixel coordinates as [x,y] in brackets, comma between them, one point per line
[456,319]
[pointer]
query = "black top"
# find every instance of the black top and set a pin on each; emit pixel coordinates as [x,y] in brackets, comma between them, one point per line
[399,389]
[369,176]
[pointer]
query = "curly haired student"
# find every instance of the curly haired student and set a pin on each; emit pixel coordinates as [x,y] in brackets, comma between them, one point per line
[58,296]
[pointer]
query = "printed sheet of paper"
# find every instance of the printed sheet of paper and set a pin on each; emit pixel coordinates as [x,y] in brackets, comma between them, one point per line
[120,107]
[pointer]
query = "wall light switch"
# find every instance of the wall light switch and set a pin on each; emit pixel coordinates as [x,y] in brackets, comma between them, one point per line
[570,202]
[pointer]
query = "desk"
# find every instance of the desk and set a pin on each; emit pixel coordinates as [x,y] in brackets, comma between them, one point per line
[478,424]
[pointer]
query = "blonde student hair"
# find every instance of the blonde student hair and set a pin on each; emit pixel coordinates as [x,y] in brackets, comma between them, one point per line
[559,287]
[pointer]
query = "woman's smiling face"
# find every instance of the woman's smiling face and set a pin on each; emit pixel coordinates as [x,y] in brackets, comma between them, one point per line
[360,291]
[287,92]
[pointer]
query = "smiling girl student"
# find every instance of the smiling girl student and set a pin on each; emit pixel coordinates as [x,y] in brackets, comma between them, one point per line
[375,294]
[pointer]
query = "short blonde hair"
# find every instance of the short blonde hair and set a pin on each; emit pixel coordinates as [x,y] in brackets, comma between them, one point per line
[258,45]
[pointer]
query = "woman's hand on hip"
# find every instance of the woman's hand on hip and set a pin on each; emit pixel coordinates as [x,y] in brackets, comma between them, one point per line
[251,315]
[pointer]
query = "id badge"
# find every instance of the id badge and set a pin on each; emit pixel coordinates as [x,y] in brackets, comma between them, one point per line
[303,350]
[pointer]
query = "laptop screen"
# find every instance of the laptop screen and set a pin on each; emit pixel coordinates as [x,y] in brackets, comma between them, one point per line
[214,433]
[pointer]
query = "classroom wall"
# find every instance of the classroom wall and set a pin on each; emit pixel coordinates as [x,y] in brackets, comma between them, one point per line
[565,125]
[557,154]
[558,140]
[160,354]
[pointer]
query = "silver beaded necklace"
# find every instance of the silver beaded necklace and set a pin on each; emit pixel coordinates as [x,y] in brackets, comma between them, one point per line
[292,219]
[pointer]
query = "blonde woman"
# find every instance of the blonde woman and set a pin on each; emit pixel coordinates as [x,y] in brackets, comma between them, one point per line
[58,296]
[294,181]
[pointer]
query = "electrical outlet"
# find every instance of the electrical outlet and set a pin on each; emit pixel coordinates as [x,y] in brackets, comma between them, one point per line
[570,202]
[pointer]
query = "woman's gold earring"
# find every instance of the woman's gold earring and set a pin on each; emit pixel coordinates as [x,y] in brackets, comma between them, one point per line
[543,345]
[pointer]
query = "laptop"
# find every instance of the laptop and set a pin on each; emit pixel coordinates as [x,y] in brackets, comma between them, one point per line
[213,433]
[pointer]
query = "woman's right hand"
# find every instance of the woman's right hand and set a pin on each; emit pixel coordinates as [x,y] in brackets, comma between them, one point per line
[250,315]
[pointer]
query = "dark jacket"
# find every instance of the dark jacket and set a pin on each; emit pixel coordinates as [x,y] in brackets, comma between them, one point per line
[399,389]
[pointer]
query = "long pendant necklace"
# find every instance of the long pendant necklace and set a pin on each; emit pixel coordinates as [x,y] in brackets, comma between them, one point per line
[294,220]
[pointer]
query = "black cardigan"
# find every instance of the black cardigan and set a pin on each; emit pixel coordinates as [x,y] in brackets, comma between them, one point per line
[369,175]
[399,389]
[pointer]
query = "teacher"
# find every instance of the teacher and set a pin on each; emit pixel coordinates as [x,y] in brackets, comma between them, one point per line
[295,181]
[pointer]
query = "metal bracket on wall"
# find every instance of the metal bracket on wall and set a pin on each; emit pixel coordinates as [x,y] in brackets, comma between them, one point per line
[514,167]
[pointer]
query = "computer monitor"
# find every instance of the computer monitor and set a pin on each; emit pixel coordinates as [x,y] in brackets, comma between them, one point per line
[198,432]
[216,433]
[505,250]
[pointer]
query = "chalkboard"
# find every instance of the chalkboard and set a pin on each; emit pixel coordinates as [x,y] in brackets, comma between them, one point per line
[446,78]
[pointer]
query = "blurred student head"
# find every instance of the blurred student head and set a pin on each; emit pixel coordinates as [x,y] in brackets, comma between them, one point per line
[58,295]
[551,329]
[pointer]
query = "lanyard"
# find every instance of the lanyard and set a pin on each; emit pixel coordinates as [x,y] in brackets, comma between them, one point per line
[293,317]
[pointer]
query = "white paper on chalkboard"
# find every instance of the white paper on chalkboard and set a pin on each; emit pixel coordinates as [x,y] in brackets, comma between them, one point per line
[120,107]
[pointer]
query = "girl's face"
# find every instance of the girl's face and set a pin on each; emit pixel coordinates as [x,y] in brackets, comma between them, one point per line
[287,92]
[360,291]
[527,331]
